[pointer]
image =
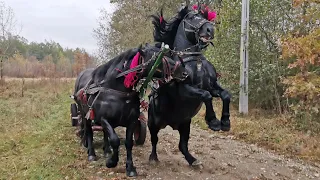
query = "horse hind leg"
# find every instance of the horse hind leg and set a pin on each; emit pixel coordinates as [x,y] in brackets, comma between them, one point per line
[184,131]
[114,142]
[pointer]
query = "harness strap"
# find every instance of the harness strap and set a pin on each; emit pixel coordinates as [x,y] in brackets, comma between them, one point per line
[189,59]
[166,69]
[109,90]
[138,67]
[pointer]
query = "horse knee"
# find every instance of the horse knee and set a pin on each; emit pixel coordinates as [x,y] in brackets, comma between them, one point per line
[206,96]
[114,141]
[225,96]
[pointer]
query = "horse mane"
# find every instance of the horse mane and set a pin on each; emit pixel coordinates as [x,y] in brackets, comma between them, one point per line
[165,31]
[99,73]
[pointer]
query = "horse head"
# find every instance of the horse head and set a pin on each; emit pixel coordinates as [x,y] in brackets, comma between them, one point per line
[192,25]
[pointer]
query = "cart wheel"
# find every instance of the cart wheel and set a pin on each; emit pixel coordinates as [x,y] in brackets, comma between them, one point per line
[140,133]
[74,114]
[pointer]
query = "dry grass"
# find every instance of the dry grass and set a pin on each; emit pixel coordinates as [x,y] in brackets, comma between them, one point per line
[275,132]
[38,142]
[36,137]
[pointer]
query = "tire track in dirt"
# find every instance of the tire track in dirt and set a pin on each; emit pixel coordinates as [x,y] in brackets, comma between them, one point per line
[223,158]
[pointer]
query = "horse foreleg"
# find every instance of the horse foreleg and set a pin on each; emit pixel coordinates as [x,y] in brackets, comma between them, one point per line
[153,129]
[188,91]
[106,147]
[184,131]
[89,140]
[225,97]
[114,143]
[130,169]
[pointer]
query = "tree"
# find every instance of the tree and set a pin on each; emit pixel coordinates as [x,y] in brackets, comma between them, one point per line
[7,31]
[129,26]
[81,62]
[301,48]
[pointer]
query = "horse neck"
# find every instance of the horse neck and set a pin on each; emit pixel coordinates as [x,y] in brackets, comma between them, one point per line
[110,76]
[150,51]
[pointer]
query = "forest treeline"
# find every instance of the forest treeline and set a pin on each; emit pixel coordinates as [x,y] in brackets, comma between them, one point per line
[284,48]
[21,58]
[46,59]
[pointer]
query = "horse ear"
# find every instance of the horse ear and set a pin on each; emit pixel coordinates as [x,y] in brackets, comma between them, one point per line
[140,50]
[187,2]
[205,14]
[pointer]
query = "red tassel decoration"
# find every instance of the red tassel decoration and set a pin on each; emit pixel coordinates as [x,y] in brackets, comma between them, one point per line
[131,79]
[91,114]
[212,15]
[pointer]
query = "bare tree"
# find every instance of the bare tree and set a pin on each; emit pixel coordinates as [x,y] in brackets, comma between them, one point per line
[7,30]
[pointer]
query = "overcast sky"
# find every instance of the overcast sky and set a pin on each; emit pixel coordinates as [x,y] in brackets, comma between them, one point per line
[68,22]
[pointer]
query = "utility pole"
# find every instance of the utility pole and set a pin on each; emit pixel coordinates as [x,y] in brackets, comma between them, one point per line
[244,67]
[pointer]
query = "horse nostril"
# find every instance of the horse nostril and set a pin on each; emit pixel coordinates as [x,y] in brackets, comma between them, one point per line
[208,30]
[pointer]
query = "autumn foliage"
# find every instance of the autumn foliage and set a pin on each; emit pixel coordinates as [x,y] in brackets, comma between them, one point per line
[20,66]
[302,49]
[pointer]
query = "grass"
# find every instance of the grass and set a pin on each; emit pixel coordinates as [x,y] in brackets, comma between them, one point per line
[38,142]
[36,137]
[272,131]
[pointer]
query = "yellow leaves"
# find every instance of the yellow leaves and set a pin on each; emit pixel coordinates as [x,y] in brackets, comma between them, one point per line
[303,84]
[82,61]
[305,49]
[305,88]
[298,3]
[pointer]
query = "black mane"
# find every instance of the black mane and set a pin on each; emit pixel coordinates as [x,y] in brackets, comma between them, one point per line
[99,73]
[166,31]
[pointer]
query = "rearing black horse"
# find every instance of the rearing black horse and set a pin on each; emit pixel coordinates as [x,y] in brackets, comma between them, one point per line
[174,104]
[108,101]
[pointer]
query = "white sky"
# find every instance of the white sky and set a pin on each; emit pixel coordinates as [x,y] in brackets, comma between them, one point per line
[68,22]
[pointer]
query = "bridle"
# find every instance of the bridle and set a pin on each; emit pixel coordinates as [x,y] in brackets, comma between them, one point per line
[195,27]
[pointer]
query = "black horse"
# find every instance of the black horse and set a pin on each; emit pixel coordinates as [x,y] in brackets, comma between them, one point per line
[175,103]
[110,102]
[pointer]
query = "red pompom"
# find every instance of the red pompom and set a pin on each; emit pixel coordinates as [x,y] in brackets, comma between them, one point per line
[211,14]
[131,79]
[91,114]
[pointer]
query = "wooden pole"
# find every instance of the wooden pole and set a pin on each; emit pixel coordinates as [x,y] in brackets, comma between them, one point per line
[244,66]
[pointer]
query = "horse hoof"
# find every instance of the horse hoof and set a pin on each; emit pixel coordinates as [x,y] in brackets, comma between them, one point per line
[225,128]
[132,173]
[153,159]
[197,164]
[225,125]
[111,164]
[92,158]
[216,127]
[107,155]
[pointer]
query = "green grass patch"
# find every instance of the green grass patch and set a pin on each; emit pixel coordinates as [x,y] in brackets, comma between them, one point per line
[37,140]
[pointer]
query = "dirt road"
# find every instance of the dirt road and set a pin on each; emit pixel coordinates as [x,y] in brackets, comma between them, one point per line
[222,158]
